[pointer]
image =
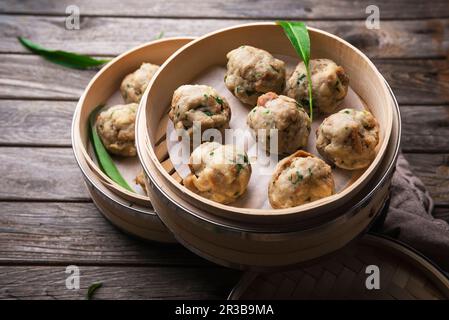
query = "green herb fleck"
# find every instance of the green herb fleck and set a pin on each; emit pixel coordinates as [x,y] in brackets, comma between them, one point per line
[347,112]
[298,178]
[159,36]
[301,77]
[207,112]
[266,111]
[211,153]
[92,289]
[239,167]
[219,100]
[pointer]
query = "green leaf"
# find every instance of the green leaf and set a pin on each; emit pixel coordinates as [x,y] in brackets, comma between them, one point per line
[92,288]
[104,159]
[63,58]
[298,35]
[159,36]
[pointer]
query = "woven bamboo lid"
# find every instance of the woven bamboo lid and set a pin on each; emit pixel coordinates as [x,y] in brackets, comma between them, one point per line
[403,274]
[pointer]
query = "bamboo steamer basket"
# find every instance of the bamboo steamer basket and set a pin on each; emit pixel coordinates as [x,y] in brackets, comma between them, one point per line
[102,86]
[260,246]
[404,274]
[130,212]
[199,55]
[254,238]
[131,218]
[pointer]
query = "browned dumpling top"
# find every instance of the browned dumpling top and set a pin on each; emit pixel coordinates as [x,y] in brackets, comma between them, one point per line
[134,84]
[286,116]
[115,126]
[298,179]
[218,172]
[348,138]
[329,84]
[252,72]
[199,105]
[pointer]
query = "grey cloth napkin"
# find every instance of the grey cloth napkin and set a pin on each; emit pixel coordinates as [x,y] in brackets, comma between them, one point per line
[410,220]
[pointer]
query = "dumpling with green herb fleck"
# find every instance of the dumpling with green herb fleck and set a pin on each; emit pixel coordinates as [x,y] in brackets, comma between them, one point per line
[329,84]
[286,116]
[115,126]
[348,138]
[218,172]
[134,84]
[298,179]
[199,105]
[252,72]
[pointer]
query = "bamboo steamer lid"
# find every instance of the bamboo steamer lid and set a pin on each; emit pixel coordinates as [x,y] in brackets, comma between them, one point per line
[404,274]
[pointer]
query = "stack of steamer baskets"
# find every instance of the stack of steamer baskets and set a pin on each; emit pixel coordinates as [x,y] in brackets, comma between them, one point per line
[131,212]
[264,238]
[253,238]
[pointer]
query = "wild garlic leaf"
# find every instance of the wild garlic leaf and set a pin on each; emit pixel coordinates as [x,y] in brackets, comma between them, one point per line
[92,289]
[104,159]
[63,58]
[298,35]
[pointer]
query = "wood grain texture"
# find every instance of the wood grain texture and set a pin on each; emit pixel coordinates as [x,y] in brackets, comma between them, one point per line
[40,173]
[433,170]
[61,233]
[37,123]
[425,128]
[52,174]
[306,9]
[26,282]
[112,36]
[31,77]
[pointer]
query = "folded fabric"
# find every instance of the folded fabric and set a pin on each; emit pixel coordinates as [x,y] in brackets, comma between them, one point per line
[410,220]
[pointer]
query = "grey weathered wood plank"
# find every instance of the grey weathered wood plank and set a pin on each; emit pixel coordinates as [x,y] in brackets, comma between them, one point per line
[24,76]
[31,282]
[306,9]
[31,77]
[40,173]
[396,39]
[37,123]
[30,122]
[433,170]
[48,233]
[425,128]
[51,173]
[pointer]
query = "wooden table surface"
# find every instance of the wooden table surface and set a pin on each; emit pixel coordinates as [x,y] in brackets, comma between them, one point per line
[47,220]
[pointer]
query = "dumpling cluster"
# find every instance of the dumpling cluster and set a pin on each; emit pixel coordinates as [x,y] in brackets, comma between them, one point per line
[347,139]
[115,125]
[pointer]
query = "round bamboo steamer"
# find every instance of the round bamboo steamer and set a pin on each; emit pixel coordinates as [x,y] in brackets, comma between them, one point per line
[130,212]
[102,86]
[258,246]
[403,275]
[210,50]
[131,218]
